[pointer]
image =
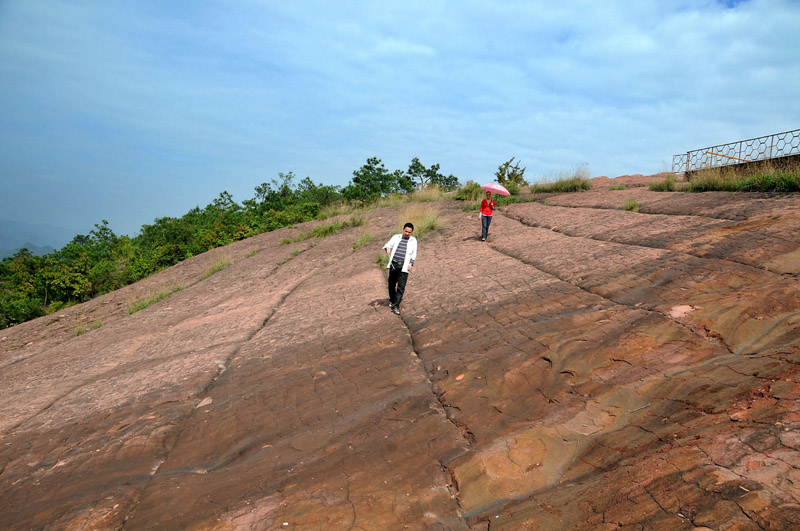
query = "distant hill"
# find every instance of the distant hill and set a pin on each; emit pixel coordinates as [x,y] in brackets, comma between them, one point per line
[38,238]
[34,249]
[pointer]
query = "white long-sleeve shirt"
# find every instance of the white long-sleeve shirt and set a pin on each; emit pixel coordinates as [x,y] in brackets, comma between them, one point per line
[411,250]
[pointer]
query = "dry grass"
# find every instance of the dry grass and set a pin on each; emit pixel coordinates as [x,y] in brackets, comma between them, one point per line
[565,181]
[431,192]
[424,217]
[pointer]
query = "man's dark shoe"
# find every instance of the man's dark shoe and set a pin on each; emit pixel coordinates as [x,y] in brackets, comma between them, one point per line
[395,310]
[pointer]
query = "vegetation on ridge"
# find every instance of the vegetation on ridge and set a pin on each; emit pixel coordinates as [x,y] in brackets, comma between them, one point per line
[101,262]
[764,177]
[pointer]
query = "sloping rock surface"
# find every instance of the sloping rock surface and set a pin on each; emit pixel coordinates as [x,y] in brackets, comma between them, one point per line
[586,368]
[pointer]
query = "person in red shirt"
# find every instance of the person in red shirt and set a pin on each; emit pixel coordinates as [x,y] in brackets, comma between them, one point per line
[487,209]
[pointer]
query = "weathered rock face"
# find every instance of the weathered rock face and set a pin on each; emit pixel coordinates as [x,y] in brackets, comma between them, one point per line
[586,368]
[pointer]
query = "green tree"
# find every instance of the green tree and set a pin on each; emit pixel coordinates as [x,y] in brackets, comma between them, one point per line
[418,172]
[508,172]
[372,181]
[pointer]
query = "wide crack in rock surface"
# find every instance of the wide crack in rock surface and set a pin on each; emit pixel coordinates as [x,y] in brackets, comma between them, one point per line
[587,368]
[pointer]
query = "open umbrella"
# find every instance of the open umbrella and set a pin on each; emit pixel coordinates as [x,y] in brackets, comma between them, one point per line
[495,188]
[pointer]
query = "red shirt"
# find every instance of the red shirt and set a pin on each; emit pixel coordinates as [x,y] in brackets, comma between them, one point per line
[487,207]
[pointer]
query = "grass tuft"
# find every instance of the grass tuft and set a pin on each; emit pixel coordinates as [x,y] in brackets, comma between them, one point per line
[631,205]
[566,181]
[144,303]
[221,264]
[771,176]
[382,259]
[667,185]
[424,217]
[430,193]
[364,238]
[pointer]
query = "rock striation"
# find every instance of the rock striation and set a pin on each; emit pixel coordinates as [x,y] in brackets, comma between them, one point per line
[586,368]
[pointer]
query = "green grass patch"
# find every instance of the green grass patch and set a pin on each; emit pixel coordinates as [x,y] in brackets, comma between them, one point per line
[221,264]
[667,185]
[144,303]
[759,182]
[285,260]
[631,205]
[382,259]
[81,329]
[252,253]
[324,230]
[617,187]
[354,221]
[364,238]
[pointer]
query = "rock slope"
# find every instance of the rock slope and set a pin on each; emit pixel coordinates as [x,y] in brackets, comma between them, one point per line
[586,368]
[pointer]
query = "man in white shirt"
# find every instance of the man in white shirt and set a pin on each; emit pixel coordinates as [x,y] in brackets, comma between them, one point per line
[402,251]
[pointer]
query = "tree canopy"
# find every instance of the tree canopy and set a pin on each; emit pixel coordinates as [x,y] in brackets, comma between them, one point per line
[508,172]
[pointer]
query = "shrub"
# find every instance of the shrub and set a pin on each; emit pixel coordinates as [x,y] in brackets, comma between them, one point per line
[503,200]
[512,187]
[617,187]
[631,205]
[471,191]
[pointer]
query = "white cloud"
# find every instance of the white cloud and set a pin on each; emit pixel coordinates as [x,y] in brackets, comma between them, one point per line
[224,96]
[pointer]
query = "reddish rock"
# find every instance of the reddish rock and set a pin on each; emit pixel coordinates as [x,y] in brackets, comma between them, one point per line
[586,368]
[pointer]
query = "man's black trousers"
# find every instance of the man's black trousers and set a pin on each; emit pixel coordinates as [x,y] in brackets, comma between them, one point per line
[397,284]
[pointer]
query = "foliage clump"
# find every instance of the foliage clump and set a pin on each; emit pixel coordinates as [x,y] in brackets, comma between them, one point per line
[509,173]
[631,205]
[471,191]
[430,176]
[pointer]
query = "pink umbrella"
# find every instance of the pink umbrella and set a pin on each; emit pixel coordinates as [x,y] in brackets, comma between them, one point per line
[495,188]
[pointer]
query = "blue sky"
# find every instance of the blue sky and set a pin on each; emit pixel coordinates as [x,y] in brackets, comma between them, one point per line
[128,111]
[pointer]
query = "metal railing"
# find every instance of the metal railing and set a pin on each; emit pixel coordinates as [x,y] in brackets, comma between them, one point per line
[741,152]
